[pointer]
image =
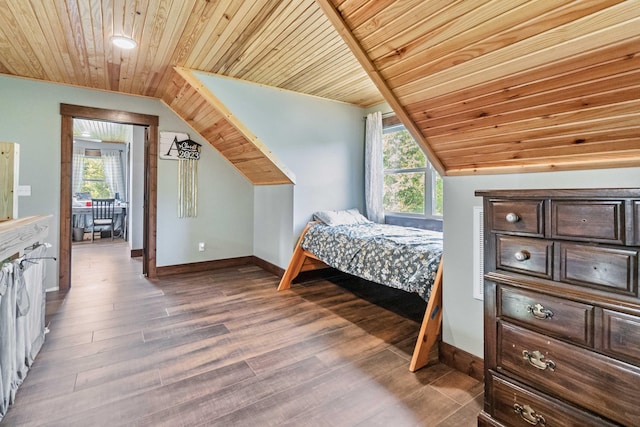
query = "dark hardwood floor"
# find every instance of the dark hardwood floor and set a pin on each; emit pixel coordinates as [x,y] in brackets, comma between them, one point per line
[223,348]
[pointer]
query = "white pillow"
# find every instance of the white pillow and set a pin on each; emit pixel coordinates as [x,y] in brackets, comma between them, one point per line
[343,217]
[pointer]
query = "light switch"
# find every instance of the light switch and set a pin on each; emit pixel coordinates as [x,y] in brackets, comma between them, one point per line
[24,190]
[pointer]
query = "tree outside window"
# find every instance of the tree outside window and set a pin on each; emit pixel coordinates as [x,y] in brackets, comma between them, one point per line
[411,185]
[93,178]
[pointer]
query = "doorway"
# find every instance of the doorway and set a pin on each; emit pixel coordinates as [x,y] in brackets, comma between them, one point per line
[108,163]
[150,123]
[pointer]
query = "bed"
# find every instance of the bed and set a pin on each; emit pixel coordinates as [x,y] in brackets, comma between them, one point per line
[400,257]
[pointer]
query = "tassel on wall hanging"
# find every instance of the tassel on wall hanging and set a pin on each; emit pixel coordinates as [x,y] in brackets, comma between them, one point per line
[178,146]
[188,156]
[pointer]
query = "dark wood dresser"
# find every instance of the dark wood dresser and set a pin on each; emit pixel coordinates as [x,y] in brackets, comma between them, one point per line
[561,307]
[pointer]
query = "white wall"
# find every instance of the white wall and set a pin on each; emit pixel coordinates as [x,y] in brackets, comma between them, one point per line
[462,323]
[30,116]
[321,141]
[273,237]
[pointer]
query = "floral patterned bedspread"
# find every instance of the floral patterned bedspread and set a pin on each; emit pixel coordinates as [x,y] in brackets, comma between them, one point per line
[400,257]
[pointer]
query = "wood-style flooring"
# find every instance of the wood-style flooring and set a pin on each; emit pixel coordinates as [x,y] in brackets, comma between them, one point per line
[223,348]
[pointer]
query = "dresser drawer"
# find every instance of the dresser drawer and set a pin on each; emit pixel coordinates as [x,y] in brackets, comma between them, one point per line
[595,221]
[621,335]
[516,406]
[556,316]
[525,255]
[523,217]
[590,380]
[611,269]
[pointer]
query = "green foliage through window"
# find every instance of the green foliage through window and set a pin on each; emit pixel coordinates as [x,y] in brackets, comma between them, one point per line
[411,185]
[404,192]
[437,196]
[93,178]
[400,151]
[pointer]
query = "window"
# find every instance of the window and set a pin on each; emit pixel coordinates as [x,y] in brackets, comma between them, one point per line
[98,173]
[411,186]
[93,180]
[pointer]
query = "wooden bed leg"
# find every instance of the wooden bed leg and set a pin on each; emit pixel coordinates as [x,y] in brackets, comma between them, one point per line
[293,269]
[430,325]
[296,261]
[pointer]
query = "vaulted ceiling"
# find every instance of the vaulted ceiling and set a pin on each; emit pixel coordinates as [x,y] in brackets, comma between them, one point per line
[485,86]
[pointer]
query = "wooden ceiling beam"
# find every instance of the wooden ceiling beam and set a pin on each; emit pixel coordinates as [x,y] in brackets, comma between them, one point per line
[389,96]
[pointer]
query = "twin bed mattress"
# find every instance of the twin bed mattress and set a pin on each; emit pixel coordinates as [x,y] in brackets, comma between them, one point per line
[400,257]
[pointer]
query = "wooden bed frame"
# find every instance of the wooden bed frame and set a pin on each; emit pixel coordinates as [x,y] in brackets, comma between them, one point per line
[302,260]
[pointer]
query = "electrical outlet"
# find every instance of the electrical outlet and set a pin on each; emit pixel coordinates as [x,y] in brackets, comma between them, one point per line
[201,246]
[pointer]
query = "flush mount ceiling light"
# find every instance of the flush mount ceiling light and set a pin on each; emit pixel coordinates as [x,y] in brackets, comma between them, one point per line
[124,42]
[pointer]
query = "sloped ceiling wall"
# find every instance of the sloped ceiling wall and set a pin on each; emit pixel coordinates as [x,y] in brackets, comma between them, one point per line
[491,87]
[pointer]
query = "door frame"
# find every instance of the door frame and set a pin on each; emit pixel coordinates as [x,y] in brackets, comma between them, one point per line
[68,112]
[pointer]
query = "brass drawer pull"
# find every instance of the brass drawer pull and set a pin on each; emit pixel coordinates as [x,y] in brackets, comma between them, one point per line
[535,360]
[539,312]
[512,217]
[529,415]
[522,255]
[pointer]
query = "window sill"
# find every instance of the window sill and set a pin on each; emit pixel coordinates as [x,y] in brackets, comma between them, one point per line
[405,221]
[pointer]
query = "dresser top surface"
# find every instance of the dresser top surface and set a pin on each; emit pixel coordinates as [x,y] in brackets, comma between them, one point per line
[565,193]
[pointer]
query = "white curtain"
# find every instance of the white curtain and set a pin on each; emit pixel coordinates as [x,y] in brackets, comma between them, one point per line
[374,169]
[77,169]
[113,172]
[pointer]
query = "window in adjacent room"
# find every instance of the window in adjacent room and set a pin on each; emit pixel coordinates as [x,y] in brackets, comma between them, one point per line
[93,178]
[412,187]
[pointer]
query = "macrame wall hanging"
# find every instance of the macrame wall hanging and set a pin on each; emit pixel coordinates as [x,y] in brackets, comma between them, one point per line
[187,152]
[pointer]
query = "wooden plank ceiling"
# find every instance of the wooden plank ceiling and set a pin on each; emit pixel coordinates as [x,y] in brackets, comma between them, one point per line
[506,86]
[485,86]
